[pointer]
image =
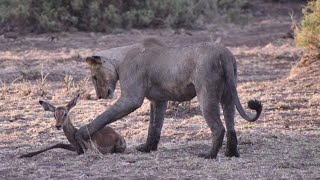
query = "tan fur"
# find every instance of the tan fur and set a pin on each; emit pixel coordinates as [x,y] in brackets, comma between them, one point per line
[104,141]
[161,73]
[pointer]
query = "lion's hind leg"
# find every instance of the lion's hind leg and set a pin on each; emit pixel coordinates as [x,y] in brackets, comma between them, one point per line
[209,104]
[228,113]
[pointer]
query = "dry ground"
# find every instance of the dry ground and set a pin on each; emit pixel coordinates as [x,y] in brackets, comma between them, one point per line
[283,144]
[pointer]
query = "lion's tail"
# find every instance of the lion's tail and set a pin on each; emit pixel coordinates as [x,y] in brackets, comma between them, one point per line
[230,72]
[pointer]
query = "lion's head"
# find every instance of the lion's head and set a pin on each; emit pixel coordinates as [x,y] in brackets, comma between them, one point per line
[104,76]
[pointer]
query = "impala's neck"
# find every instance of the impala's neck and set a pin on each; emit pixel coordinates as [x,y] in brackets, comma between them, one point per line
[69,130]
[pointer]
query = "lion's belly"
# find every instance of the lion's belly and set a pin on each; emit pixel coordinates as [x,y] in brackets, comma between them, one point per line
[177,92]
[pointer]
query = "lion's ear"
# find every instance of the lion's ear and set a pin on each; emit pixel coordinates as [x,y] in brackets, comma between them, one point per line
[92,60]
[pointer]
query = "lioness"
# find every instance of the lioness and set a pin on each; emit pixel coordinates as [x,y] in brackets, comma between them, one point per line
[118,54]
[162,73]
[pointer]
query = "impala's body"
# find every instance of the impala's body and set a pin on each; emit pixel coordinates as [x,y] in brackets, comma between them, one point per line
[105,140]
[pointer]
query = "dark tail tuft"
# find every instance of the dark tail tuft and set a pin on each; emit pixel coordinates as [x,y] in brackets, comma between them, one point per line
[255,105]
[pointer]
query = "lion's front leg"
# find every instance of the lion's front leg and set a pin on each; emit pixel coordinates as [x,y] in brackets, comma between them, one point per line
[121,108]
[158,109]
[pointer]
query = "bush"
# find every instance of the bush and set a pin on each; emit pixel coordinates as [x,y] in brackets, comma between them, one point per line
[309,34]
[104,15]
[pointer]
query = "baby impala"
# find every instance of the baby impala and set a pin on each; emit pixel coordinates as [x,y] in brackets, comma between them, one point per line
[104,141]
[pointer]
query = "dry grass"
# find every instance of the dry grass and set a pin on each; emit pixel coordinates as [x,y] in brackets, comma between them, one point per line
[314,100]
[282,144]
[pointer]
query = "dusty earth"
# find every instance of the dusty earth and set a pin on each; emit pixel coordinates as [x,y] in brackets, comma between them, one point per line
[283,144]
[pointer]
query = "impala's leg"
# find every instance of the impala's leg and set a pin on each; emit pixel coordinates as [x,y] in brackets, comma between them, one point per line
[228,113]
[60,145]
[158,109]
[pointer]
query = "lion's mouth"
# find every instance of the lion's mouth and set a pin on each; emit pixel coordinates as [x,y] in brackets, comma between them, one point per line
[110,94]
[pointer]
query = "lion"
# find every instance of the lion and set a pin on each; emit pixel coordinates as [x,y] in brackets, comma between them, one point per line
[114,54]
[162,73]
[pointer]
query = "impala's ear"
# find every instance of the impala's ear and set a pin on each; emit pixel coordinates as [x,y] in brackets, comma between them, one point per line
[73,102]
[93,60]
[47,106]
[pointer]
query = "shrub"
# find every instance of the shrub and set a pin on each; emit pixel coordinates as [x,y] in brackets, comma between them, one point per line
[309,34]
[104,15]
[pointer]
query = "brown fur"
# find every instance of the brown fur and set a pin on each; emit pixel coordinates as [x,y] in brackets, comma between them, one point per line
[161,74]
[104,141]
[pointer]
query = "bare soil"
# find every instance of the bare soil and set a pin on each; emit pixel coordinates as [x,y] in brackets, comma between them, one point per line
[283,144]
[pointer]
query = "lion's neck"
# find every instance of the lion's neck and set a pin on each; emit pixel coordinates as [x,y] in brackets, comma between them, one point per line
[116,65]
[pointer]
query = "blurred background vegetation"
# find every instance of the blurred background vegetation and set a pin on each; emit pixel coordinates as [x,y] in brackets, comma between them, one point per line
[41,16]
[107,15]
[308,36]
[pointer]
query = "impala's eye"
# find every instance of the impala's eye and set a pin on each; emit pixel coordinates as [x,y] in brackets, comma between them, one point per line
[94,78]
[54,115]
[65,115]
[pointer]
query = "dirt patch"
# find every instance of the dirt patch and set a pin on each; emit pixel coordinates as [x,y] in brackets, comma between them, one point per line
[282,144]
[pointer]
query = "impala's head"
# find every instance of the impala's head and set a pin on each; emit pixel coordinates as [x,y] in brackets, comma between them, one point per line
[61,113]
[104,76]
